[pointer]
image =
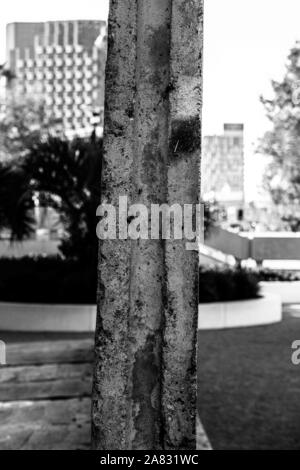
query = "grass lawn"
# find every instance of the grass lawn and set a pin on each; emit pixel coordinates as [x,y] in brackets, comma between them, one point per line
[248,388]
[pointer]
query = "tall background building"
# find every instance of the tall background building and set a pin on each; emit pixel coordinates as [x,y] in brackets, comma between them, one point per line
[223,169]
[64,63]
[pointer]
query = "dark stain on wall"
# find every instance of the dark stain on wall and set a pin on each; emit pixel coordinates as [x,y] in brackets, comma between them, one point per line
[144,381]
[153,169]
[185,135]
[159,43]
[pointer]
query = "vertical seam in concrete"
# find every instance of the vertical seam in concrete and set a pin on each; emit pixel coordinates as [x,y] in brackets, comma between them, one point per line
[179,393]
[150,153]
[109,407]
[143,394]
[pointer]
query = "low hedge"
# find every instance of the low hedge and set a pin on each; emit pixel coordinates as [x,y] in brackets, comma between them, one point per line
[269,275]
[222,285]
[50,280]
[54,280]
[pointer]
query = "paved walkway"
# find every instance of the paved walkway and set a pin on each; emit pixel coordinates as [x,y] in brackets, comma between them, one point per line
[45,394]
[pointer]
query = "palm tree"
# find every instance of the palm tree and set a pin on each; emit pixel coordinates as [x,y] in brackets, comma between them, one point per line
[16,204]
[66,175]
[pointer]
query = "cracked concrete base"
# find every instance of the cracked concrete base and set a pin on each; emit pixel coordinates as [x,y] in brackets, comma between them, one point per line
[202,442]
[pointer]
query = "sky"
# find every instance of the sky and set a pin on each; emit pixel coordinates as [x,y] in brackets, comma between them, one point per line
[246,44]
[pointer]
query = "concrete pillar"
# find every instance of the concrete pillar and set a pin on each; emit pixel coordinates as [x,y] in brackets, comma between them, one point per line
[179,374]
[144,381]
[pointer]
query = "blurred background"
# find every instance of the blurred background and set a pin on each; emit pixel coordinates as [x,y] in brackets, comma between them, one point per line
[52,70]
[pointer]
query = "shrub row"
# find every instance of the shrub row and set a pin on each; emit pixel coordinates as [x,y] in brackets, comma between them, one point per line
[47,280]
[221,285]
[54,280]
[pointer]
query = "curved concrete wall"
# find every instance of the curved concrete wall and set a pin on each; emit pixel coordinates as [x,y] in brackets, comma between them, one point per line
[35,317]
[219,315]
[288,291]
[82,318]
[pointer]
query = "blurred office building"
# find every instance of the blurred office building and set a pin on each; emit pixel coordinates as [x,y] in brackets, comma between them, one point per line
[223,170]
[64,62]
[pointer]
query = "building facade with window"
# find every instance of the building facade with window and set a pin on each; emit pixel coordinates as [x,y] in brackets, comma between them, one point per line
[63,62]
[223,169]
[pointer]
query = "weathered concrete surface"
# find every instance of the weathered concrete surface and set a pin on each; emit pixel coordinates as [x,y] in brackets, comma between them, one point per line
[45,424]
[45,381]
[147,288]
[110,410]
[179,367]
[46,352]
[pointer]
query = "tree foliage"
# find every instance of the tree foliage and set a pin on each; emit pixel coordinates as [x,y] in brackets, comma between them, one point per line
[24,123]
[282,142]
[64,175]
[212,216]
[16,203]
